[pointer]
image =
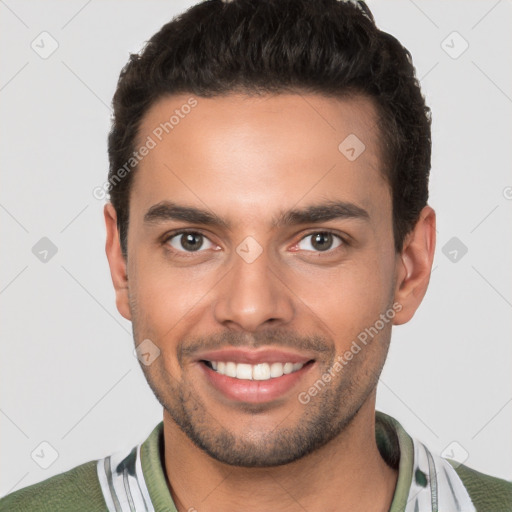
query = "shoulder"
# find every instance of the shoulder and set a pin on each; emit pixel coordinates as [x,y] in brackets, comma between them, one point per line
[75,490]
[488,493]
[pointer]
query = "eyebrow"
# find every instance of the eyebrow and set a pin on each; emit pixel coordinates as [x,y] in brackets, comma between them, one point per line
[312,214]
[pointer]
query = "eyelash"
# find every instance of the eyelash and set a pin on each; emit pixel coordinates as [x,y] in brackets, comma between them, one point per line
[187,254]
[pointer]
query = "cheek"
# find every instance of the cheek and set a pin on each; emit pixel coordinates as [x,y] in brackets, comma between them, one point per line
[347,298]
[166,296]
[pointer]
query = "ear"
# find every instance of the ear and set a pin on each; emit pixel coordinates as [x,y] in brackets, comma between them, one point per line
[117,262]
[414,265]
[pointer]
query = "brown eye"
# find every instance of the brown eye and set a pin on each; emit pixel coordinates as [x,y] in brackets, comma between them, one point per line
[188,242]
[321,241]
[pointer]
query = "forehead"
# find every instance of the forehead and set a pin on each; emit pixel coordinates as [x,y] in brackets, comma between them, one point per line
[246,156]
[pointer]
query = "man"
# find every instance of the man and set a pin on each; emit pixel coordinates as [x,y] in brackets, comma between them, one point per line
[268,225]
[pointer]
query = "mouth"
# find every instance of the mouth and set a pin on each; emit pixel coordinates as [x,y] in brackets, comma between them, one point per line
[260,371]
[254,377]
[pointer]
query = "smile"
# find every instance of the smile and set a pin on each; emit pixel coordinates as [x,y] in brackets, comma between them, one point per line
[254,383]
[261,371]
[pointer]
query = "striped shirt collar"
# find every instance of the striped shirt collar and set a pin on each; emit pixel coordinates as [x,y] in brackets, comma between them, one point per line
[135,481]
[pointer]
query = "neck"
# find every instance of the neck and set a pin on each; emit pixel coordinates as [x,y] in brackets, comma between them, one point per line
[333,478]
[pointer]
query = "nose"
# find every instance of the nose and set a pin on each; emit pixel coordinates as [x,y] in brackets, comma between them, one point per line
[252,296]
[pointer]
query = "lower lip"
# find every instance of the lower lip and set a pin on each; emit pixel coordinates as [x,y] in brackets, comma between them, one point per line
[254,391]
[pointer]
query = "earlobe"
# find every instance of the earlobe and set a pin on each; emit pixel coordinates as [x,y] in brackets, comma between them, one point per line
[414,265]
[117,262]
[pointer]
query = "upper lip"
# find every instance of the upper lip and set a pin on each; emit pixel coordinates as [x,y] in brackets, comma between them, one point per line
[252,356]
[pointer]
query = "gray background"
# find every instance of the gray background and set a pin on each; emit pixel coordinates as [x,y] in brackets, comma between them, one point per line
[68,374]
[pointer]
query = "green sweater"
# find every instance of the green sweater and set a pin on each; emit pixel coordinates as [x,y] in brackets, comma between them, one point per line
[136,480]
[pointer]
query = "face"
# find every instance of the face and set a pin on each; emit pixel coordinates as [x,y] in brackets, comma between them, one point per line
[259,252]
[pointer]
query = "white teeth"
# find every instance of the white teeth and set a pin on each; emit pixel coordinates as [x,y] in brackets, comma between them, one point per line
[243,371]
[261,371]
[288,368]
[230,369]
[276,369]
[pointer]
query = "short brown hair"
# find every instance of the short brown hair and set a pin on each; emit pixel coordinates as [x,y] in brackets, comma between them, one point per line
[329,47]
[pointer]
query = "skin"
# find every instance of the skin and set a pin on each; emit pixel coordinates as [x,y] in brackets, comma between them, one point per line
[247,159]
